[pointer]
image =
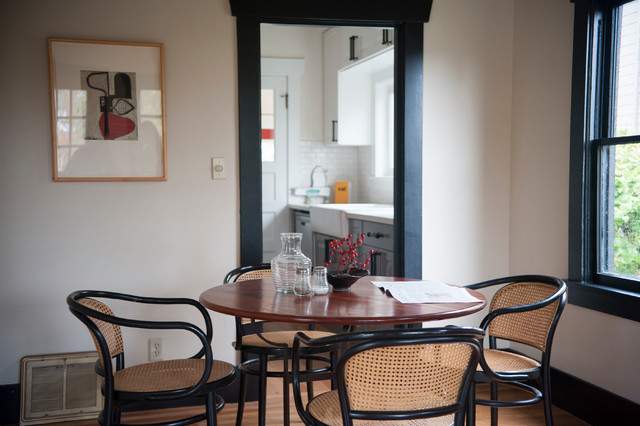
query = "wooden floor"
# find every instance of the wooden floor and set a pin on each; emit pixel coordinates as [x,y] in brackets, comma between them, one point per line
[532,415]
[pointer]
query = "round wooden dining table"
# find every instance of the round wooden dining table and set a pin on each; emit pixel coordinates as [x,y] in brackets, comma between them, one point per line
[363,304]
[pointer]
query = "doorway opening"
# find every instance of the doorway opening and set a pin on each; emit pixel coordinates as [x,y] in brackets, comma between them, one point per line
[407,19]
[343,131]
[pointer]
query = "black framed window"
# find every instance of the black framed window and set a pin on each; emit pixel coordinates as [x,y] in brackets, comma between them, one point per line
[618,152]
[604,251]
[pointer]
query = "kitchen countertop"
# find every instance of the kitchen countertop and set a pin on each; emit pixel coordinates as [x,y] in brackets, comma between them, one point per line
[379,213]
[299,207]
[379,217]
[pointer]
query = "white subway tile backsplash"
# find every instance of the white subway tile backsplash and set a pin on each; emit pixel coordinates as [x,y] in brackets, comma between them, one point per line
[353,164]
[342,163]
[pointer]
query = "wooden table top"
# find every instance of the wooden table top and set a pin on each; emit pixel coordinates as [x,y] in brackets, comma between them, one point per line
[363,304]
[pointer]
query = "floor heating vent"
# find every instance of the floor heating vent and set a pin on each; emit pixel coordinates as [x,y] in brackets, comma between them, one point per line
[61,387]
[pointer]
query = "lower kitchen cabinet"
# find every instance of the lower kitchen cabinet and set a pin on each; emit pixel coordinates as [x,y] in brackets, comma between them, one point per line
[321,248]
[379,238]
[303,226]
[381,261]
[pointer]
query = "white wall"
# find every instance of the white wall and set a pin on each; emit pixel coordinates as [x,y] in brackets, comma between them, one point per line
[468,55]
[300,42]
[496,181]
[170,238]
[585,339]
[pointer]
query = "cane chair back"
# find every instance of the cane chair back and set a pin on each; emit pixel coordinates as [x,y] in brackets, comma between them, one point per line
[111,332]
[262,270]
[410,377]
[528,327]
[254,275]
[407,377]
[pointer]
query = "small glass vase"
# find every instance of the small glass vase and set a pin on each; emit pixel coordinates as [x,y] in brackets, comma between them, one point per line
[286,264]
[302,287]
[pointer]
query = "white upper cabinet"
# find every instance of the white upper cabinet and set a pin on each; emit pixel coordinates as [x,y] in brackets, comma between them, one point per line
[332,44]
[364,91]
[343,48]
[372,40]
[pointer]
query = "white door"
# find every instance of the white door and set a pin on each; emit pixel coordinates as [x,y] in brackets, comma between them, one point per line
[275,217]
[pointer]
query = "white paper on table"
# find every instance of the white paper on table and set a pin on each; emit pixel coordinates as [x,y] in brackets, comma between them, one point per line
[425,292]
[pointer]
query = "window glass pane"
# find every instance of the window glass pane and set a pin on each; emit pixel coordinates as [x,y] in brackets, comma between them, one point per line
[268,125]
[620,210]
[626,119]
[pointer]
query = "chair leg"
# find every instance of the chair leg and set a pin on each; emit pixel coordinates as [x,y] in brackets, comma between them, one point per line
[285,390]
[309,384]
[471,405]
[210,404]
[546,398]
[333,356]
[242,396]
[494,410]
[262,390]
[117,415]
[107,413]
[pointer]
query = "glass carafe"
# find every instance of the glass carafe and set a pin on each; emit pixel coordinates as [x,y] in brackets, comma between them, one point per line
[285,265]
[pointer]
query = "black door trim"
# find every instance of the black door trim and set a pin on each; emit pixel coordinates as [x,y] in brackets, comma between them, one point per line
[408,75]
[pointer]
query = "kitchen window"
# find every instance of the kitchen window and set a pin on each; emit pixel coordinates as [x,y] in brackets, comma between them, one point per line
[605,159]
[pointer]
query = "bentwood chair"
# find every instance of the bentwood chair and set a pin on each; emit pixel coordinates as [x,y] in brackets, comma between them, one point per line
[160,382]
[273,350]
[399,377]
[526,310]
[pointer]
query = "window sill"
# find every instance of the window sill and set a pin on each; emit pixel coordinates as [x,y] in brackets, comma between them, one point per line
[609,300]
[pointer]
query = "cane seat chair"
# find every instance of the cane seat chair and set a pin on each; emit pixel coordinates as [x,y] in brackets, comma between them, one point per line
[159,382]
[273,350]
[526,310]
[399,377]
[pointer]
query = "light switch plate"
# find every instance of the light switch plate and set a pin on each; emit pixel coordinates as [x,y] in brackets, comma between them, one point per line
[218,168]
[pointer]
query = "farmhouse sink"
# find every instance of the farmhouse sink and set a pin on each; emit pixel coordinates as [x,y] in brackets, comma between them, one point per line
[333,219]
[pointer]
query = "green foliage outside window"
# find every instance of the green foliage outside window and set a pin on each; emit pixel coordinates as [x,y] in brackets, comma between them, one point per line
[627,211]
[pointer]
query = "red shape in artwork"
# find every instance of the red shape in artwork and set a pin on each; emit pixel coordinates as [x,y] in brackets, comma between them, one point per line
[118,126]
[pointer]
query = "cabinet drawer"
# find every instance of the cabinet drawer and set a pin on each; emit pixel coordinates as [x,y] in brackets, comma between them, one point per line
[378,235]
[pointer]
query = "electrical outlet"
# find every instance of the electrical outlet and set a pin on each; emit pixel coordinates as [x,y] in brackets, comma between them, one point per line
[155,349]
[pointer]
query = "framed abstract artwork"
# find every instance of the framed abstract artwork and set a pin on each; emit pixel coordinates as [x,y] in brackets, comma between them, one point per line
[107,110]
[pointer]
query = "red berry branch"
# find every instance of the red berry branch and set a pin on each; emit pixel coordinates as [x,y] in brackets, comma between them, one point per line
[343,255]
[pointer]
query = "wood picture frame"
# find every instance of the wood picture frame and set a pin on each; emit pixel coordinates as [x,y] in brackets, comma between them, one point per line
[107,110]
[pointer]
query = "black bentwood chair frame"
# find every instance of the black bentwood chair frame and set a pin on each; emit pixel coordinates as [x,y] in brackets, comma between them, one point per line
[271,347]
[526,310]
[156,382]
[408,375]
